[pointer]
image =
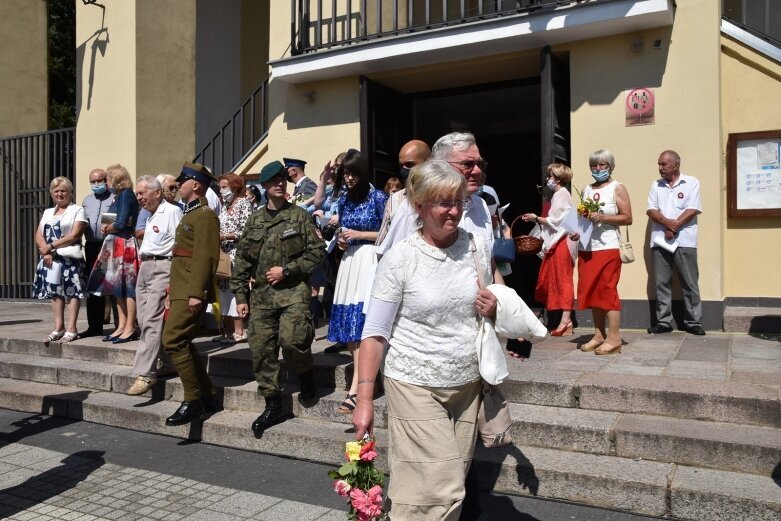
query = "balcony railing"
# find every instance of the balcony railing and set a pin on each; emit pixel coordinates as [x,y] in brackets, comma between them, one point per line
[246,128]
[323,24]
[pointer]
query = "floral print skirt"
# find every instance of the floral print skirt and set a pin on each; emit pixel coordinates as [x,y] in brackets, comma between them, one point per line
[62,279]
[353,287]
[116,269]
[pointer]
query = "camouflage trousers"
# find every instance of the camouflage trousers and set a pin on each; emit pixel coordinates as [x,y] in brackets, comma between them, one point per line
[289,328]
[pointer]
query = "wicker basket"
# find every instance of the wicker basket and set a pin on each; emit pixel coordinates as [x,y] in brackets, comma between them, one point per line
[526,244]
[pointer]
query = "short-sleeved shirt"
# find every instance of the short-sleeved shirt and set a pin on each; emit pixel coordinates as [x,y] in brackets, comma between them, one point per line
[160,231]
[672,201]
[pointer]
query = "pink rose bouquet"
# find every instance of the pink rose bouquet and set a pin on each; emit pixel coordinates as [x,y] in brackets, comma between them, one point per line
[359,482]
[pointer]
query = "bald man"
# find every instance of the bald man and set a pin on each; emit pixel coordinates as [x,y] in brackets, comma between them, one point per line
[411,154]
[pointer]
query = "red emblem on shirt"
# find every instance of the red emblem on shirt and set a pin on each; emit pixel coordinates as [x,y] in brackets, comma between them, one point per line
[680,195]
[596,196]
[156,229]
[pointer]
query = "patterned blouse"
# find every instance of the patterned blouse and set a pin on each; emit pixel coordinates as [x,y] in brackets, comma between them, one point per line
[232,220]
[365,216]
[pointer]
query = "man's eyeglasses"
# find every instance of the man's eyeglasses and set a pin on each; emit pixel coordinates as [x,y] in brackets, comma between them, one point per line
[171,187]
[462,204]
[96,181]
[409,164]
[470,164]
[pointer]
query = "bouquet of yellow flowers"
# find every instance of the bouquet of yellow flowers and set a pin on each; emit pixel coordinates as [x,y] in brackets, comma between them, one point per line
[359,482]
[587,205]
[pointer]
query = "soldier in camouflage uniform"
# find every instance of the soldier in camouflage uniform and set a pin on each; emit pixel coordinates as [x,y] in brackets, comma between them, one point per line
[280,249]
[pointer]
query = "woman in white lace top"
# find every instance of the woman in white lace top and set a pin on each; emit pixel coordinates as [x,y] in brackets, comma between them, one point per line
[425,303]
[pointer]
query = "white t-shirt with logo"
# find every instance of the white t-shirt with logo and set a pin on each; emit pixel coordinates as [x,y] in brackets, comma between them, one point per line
[160,230]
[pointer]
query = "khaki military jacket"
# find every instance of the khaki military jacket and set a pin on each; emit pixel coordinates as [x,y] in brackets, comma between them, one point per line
[198,234]
[288,240]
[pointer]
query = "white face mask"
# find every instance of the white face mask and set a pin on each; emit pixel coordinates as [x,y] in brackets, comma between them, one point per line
[551,184]
[227,195]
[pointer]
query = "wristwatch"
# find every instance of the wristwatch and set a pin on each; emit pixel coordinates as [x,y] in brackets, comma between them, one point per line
[285,271]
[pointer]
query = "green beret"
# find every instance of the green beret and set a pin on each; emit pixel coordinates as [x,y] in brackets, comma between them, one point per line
[272,170]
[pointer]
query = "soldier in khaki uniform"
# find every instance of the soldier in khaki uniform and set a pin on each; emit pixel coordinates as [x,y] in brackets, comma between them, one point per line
[195,256]
[280,249]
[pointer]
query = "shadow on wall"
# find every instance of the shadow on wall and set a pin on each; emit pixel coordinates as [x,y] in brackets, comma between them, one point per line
[641,68]
[100,41]
[315,104]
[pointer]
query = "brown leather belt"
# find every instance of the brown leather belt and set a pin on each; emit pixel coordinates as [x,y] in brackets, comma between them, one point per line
[182,252]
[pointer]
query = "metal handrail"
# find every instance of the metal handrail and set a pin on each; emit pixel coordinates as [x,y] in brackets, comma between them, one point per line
[243,131]
[352,24]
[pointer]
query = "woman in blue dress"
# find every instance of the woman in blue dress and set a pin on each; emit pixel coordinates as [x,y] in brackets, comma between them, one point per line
[360,208]
[58,275]
[116,268]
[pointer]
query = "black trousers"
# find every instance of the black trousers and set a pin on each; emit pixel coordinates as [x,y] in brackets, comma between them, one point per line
[95,305]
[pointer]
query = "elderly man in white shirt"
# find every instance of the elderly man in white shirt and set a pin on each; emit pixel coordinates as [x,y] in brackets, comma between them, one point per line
[459,149]
[155,255]
[673,207]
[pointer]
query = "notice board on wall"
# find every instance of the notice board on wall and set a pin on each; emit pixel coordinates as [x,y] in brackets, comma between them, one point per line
[754,174]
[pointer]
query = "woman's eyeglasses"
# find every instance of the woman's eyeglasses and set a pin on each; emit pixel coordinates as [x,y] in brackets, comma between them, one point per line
[461,204]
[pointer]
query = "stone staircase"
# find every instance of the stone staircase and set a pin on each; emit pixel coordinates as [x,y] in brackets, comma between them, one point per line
[671,447]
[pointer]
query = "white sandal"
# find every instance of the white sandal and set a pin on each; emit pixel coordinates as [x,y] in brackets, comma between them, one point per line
[54,336]
[69,337]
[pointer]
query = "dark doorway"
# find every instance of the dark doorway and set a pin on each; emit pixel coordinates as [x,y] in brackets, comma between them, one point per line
[507,121]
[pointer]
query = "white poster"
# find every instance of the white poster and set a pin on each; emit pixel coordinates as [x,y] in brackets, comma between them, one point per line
[758,175]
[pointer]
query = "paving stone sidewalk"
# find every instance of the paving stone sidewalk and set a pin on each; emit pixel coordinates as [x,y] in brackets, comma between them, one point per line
[45,485]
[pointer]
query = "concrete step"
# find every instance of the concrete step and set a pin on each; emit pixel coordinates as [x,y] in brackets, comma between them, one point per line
[740,319]
[681,398]
[647,487]
[528,383]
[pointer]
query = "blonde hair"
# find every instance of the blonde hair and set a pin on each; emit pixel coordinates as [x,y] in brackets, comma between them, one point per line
[120,177]
[561,172]
[57,181]
[431,179]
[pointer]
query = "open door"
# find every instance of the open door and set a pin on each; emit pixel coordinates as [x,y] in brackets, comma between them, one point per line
[554,111]
[386,124]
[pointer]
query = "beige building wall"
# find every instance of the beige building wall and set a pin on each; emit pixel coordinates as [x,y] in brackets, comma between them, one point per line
[135,86]
[105,88]
[313,122]
[685,76]
[751,101]
[24,66]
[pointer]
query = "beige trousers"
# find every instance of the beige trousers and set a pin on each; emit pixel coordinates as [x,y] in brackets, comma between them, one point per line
[432,434]
[152,282]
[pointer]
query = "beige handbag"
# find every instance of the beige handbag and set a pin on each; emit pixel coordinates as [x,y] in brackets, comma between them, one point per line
[625,249]
[224,266]
[493,417]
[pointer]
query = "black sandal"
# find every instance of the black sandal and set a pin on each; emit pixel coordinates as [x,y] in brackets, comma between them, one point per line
[348,405]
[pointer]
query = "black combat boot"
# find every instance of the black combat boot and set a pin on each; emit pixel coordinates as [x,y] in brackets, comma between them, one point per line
[272,415]
[187,412]
[308,387]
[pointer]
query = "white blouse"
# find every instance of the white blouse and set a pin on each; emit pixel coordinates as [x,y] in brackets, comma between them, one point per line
[433,332]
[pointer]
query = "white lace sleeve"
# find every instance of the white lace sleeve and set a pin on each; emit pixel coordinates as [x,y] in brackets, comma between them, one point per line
[389,279]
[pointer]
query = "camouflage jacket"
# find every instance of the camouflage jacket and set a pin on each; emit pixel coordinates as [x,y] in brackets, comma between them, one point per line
[288,240]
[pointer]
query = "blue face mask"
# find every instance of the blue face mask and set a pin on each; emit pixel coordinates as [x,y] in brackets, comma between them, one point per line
[600,175]
[98,188]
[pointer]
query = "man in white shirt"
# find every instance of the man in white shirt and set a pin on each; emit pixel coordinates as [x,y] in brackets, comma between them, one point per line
[151,288]
[459,149]
[673,207]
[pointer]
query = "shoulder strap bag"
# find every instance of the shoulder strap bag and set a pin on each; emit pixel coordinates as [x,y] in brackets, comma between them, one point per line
[493,418]
[625,249]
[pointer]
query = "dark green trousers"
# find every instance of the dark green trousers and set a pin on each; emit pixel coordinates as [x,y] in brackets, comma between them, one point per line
[181,327]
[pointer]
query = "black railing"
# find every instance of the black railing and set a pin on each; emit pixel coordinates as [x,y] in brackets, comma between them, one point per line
[322,24]
[239,135]
[28,164]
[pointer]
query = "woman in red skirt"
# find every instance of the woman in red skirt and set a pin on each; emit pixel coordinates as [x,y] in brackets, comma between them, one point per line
[554,283]
[599,263]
